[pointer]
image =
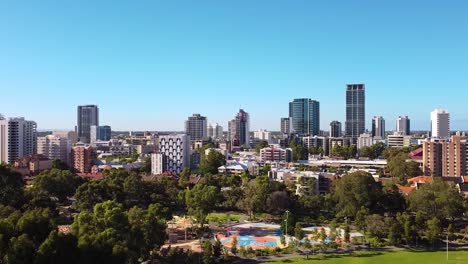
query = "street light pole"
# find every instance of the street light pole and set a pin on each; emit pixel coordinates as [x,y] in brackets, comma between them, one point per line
[287,216]
[447,247]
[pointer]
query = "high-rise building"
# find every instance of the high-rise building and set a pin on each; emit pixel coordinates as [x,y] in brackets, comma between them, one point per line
[335,129]
[88,115]
[403,125]
[196,127]
[70,135]
[305,117]
[285,125]
[262,134]
[445,158]
[173,156]
[355,111]
[239,130]
[18,138]
[378,127]
[100,133]
[215,131]
[54,147]
[365,140]
[82,158]
[440,123]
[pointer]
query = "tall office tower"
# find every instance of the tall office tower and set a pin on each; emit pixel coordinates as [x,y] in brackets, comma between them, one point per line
[262,134]
[82,158]
[378,127]
[88,115]
[196,127]
[305,117]
[440,123]
[54,147]
[173,156]
[215,131]
[335,129]
[239,130]
[285,125]
[355,111]
[403,126]
[18,138]
[100,133]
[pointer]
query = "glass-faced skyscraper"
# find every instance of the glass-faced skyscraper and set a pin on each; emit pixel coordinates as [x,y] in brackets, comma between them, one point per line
[88,115]
[239,130]
[355,111]
[304,116]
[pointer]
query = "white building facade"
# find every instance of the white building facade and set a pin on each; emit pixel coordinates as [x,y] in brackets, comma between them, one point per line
[173,156]
[18,138]
[54,147]
[440,123]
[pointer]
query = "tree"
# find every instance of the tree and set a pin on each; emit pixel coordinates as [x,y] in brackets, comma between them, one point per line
[376,226]
[211,162]
[372,152]
[21,250]
[298,232]
[450,232]
[299,152]
[207,253]
[36,223]
[11,187]
[260,145]
[347,235]
[356,190]
[438,199]
[58,183]
[255,196]
[200,201]
[278,202]
[433,231]
[234,245]
[402,169]
[58,248]
[110,234]
[59,165]
[360,219]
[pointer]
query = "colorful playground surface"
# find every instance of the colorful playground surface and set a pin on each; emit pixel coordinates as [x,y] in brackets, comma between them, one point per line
[254,235]
[262,235]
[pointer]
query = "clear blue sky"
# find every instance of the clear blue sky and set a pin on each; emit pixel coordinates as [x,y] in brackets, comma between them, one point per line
[150,64]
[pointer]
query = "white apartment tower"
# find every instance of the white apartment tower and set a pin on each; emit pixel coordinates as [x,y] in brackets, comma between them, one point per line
[173,156]
[440,123]
[262,134]
[215,131]
[54,147]
[17,138]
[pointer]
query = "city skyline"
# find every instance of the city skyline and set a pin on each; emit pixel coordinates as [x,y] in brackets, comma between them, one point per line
[138,61]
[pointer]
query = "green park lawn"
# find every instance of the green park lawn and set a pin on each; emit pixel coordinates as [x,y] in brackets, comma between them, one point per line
[395,257]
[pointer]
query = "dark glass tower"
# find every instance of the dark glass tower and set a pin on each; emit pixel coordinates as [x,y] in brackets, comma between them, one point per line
[88,115]
[304,115]
[355,111]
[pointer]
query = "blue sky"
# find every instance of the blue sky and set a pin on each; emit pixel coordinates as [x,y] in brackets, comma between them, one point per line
[150,64]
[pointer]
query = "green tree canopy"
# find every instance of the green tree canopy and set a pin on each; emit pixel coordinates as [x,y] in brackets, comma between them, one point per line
[439,199]
[356,190]
[11,187]
[58,183]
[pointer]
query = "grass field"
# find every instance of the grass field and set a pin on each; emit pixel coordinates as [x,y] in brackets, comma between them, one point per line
[397,257]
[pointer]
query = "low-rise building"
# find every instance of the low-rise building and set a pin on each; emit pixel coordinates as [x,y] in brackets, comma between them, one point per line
[275,154]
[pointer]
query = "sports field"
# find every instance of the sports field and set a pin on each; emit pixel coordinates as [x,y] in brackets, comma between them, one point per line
[398,257]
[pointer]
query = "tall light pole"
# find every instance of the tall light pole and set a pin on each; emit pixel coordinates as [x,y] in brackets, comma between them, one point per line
[287,216]
[447,247]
